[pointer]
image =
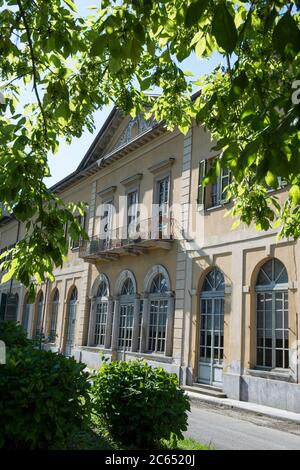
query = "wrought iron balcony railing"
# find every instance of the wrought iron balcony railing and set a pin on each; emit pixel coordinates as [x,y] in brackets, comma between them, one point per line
[135,238]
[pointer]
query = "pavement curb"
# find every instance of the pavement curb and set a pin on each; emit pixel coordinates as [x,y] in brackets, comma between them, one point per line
[251,408]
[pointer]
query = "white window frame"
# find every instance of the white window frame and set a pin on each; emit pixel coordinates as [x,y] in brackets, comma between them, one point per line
[272,289]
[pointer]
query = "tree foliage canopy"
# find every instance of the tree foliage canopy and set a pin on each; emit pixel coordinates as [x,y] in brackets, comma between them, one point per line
[57,68]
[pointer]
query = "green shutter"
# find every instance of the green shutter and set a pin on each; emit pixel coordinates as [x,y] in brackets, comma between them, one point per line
[3,306]
[11,310]
[201,189]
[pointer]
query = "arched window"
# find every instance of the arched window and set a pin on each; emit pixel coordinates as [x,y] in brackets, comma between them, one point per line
[272,333]
[128,287]
[158,314]
[39,316]
[212,328]
[101,308]
[71,319]
[102,289]
[214,281]
[54,313]
[126,314]
[25,314]
[74,295]
[159,285]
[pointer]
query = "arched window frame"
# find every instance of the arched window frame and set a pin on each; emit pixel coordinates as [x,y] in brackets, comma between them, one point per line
[126,309]
[39,315]
[54,315]
[212,313]
[100,308]
[71,315]
[269,354]
[160,311]
[25,313]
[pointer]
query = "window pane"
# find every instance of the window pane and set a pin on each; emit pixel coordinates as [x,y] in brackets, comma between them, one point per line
[279,358]
[279,339]
[268,357]
[260,357]
[279,319]
[268,338]
[268,319]
[286,359]
[260,319]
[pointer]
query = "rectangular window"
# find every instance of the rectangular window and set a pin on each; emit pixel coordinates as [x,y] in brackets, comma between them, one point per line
[106,224]
[132,212]
[163,193]
[201,189]
[82,221]
[3,306]
[215,194]
[218,189]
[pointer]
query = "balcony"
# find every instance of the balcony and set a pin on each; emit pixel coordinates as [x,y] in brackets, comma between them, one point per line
[142,238]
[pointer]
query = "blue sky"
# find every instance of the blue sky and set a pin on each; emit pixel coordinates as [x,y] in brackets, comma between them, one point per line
[68,157]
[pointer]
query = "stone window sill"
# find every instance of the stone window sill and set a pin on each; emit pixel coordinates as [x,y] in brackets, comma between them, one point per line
[149,356]
[283,375]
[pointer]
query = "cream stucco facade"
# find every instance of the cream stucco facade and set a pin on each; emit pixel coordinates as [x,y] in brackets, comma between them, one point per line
[211,304]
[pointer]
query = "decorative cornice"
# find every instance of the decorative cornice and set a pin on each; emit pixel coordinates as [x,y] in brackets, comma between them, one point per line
[162,165]
[107,191]
[132,179]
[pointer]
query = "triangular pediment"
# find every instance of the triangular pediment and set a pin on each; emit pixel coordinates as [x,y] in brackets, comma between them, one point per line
[135,127]
[118,131]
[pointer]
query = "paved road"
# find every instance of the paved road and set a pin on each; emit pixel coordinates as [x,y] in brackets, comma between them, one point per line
[228,429]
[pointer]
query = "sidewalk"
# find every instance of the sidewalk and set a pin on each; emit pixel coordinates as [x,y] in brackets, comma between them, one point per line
[228,403]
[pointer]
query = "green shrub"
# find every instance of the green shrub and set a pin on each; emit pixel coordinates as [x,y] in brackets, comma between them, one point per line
[13,334]
[44,399]
[138,404]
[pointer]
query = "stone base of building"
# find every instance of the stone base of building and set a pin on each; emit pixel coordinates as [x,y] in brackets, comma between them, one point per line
[281,394]
[93,358]
[276,393]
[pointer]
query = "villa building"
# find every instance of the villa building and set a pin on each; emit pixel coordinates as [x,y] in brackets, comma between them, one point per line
[163,276]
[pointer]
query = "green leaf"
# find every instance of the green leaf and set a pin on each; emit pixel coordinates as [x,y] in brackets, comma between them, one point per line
[7,276]
[71,5]
[200,47]
[146,83]
[249,153]
[294,193]
[271,179]
[194,12]
[223,28]
[239,84]
[99,45]
[114,65]
[286,35]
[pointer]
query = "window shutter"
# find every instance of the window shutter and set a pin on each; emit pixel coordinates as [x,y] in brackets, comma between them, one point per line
[11,307]
[3,306]
[201,189]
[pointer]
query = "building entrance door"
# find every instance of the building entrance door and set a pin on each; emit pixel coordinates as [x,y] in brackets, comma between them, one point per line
[211,350]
